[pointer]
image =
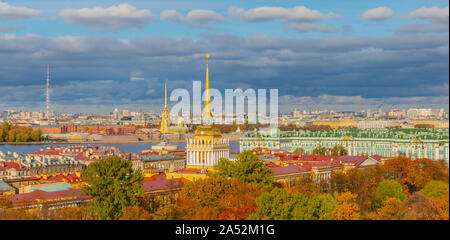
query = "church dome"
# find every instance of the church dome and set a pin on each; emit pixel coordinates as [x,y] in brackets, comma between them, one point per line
[207,131]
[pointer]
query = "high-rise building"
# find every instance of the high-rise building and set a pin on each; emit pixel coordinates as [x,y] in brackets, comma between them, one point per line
[116,114]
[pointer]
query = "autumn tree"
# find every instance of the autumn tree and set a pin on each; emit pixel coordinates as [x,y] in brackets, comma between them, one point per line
[389,189]
[435,189]
[391,210]
[279,204]
[339,182]
[364,183]
[320,207]
[321,150]
[430,170]
[239,200]
[403,170]
[419,207]
[113,185]
[134,213]
[338,150]
[299,151]
[201,194]
[347,208]
[305,185]
[248,168]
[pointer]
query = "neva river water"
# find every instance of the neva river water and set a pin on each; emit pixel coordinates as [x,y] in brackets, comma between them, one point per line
[125,147]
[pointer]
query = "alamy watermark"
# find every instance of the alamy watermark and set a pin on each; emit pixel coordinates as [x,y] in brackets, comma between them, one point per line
[237,107]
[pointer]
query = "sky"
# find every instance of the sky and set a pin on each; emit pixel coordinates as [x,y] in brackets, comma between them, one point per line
[342,55]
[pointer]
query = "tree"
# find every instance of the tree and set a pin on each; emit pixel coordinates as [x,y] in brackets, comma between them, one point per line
[5,203]
[169,212]
[223,168]
[305,186]
[391,210]
[248,168]
[320,150]
[430,170]
[278,204]
[135,213]
[347,208]
[443,204]
[420,207]
[435,189]
[389,189]
[69,213]
[239,200]
[404,170]
[320,207]
[338,150]
[113,185]
[364,182]
[203,193]
[299,151]
[339,182]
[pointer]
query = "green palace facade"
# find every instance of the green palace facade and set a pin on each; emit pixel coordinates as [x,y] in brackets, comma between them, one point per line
[413,143]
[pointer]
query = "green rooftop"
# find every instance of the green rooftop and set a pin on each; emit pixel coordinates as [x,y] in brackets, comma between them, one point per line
[415,133]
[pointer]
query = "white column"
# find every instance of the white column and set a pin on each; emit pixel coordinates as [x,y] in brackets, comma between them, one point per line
[187,157]
[196,158]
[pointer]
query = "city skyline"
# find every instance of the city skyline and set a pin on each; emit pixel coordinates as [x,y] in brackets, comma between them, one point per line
[319,55]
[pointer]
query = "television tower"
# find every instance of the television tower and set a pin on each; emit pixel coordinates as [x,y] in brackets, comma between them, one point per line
[48,92]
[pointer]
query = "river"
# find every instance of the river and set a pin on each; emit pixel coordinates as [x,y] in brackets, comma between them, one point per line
[125,147]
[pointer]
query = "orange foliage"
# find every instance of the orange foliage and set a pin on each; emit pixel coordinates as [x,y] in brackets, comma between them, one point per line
[391,210]
[135,213]
[346,208]
[443,204]
[420,207]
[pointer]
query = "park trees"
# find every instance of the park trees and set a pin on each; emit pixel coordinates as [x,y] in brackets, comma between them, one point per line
[391,210]
[247,167]
[435,189]
[280,204]
[218,198]
[389,189]
[419,207]
[135,213]
[113,185]
[347,207]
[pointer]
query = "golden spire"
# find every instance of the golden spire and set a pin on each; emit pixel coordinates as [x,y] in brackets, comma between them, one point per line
[207,112]
[165,95]
[165,116]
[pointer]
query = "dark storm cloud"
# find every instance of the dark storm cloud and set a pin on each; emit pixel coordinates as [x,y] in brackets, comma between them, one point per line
[106,70]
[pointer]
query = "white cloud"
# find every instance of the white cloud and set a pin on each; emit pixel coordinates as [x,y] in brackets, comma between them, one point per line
[196,17]
[379,13]
[436,21]
[423,28]
[111,18]
[11,28]
[173,16]
[11,13]
[298,13]
[432,13]
[310,27]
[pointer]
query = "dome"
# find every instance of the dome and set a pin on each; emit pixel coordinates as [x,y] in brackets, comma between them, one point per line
[207,131]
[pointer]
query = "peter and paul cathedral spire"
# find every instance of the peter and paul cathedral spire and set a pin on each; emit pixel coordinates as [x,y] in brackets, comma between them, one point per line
[165,116]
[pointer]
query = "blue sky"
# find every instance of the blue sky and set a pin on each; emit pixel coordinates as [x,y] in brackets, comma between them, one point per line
[320,54]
